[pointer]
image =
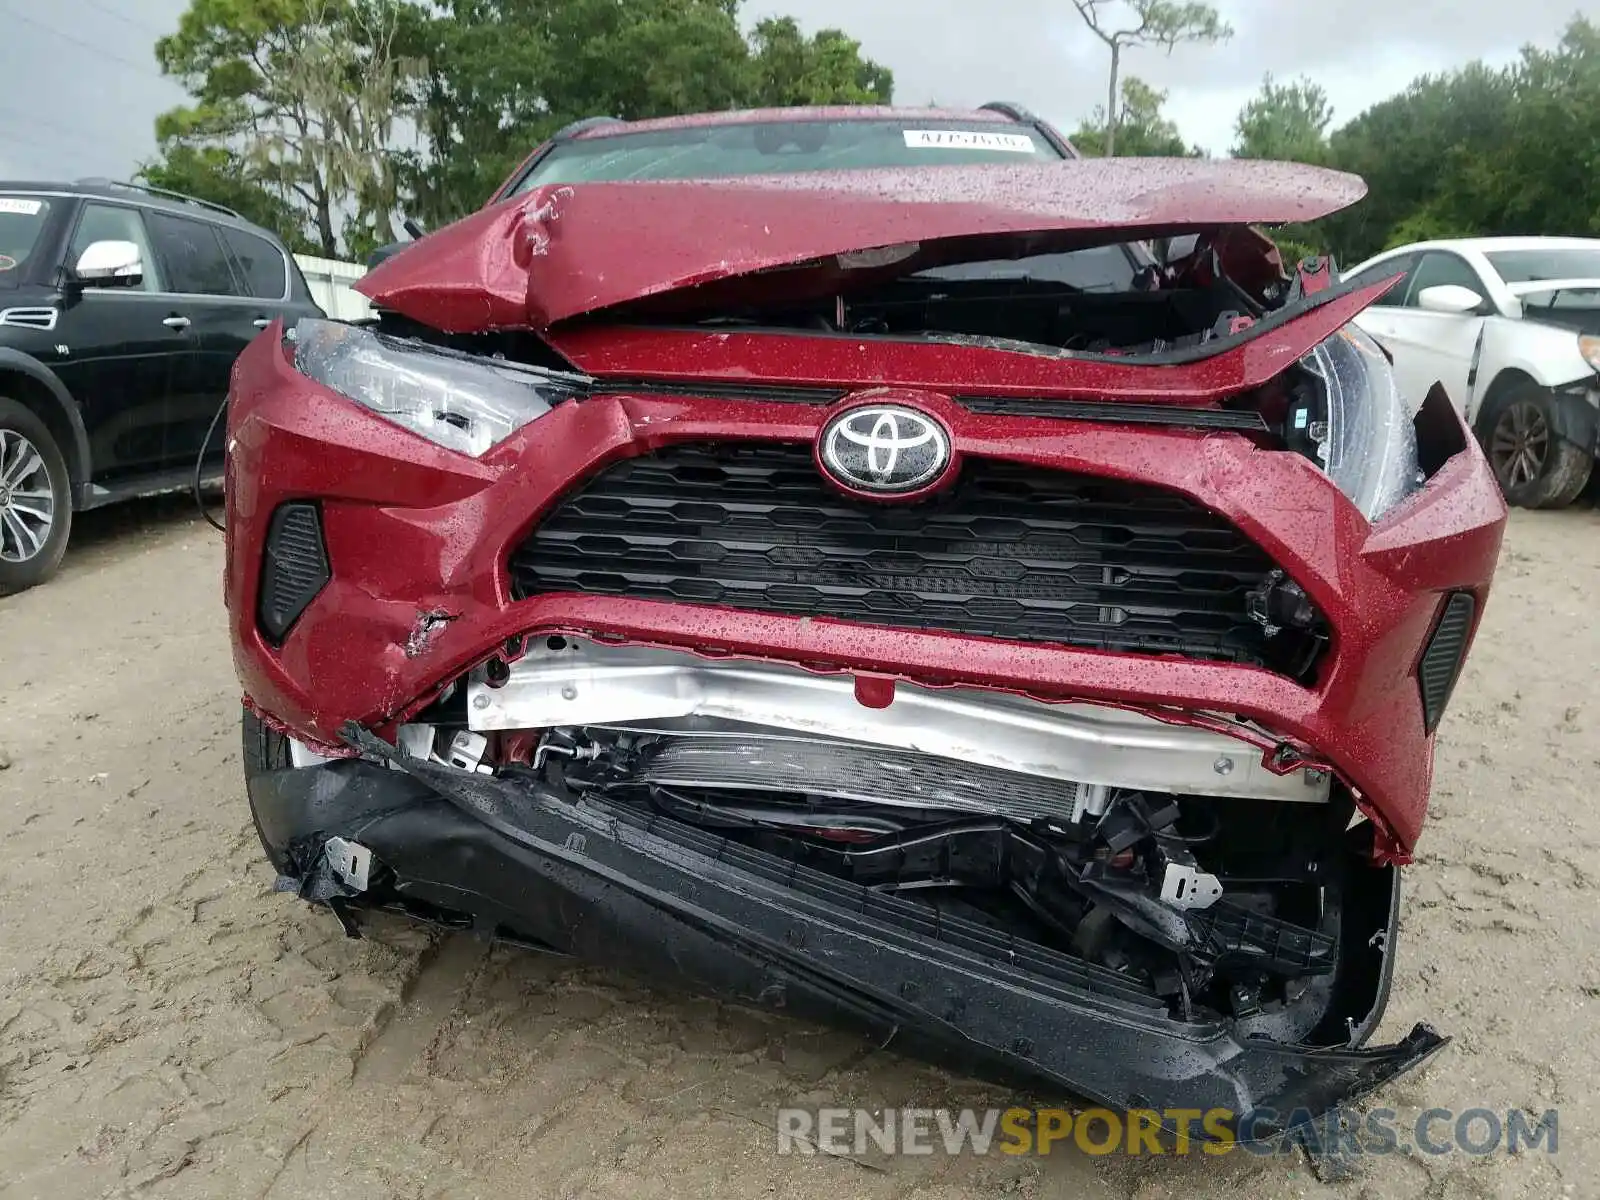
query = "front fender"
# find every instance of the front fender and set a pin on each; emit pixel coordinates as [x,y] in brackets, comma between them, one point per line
[77,452]
[1547,354]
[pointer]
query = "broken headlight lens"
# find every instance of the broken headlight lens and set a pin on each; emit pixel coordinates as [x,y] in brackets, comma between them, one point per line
[1368,445]
[461,401]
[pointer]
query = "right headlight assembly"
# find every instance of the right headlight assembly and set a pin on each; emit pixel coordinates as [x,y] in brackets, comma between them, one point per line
[1369,444]
[461,401]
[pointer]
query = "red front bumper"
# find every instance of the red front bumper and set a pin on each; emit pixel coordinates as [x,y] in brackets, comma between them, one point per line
[413,529]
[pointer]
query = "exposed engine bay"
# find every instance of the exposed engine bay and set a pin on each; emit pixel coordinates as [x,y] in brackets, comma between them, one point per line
[1164,852]
[1099,299]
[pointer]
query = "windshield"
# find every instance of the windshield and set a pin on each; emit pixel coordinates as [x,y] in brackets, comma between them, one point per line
[1531,266]
[22,220]
[783,147]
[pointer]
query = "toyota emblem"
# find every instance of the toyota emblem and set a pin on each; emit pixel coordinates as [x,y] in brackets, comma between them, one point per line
[884,448]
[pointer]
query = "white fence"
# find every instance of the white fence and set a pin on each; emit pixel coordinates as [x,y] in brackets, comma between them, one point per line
[330,282]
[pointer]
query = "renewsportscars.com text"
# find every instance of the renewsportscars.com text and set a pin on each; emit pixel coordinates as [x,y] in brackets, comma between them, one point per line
[1100,1131]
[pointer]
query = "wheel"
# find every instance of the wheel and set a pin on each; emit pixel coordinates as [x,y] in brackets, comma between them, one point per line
[1536,468]
[35,500]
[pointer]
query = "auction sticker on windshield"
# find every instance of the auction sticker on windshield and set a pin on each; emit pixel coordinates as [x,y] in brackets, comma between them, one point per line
[20,204]
[965,139]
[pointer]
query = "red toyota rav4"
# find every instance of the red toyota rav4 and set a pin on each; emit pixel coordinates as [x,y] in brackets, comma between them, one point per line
[829,557]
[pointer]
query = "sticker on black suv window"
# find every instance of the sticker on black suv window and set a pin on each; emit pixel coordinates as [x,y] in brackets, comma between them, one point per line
[21,205]
[968,139]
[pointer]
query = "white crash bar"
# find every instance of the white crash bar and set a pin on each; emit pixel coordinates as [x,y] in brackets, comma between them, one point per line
[569,682]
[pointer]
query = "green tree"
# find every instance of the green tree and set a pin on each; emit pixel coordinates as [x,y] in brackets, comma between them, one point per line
[1160,23]
[789,68]
[643,58]
[217,174]
[1549,175]
[305,95]
[480,105]
[1480,151]
[1287,122]
[1432,157]
[1144,131]
[505,74]
[1284,121]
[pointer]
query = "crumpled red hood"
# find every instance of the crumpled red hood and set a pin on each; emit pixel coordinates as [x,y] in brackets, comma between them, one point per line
[563,251]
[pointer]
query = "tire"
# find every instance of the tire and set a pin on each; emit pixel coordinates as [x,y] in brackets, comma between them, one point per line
[1535,467]
[35,500]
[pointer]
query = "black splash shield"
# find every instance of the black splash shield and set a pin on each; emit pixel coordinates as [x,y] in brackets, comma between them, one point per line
[687,908]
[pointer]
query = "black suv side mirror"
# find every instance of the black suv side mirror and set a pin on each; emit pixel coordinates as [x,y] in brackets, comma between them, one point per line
[384,253]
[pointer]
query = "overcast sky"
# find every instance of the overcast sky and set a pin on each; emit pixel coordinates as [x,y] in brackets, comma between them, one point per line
[79,89]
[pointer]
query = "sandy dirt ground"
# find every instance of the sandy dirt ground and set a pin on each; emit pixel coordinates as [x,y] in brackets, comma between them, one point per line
[171,1028]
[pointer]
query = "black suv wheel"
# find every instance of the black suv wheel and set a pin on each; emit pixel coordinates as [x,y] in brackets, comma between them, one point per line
[35,500]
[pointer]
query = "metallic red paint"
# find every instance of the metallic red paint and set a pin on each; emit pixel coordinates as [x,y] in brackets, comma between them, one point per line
[560,252]
[414,529]
[960,368]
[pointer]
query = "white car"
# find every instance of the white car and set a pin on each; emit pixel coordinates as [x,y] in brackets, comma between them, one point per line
[1511,328]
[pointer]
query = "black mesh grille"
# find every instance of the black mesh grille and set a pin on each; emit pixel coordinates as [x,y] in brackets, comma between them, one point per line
[1441,661]
[294,567]
[1011,552]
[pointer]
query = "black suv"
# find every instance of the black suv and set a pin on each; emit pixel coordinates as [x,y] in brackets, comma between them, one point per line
[122,309]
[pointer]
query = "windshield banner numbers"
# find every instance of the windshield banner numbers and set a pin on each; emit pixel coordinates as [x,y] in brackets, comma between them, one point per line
[965,139]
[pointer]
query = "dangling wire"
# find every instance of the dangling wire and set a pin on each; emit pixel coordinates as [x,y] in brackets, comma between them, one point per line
[1192,839]
[199,467]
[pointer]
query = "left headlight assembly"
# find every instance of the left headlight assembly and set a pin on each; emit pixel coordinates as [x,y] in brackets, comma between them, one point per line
[462,402]
[1369,445]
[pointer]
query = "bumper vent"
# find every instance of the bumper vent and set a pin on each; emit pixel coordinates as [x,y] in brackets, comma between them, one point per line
[1441,661]
[294,567]
[1012,552]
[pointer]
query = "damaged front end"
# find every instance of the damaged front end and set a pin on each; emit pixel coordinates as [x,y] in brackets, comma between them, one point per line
[916,606]
[1130,907]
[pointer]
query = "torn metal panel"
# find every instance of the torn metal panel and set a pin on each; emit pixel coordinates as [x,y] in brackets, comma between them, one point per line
[426,629]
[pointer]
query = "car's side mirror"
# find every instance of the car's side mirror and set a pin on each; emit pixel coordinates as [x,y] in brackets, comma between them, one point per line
[109,264]
[385,253]
[1449,298]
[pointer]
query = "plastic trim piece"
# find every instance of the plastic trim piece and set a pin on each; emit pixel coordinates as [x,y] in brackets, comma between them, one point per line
[1441,662]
